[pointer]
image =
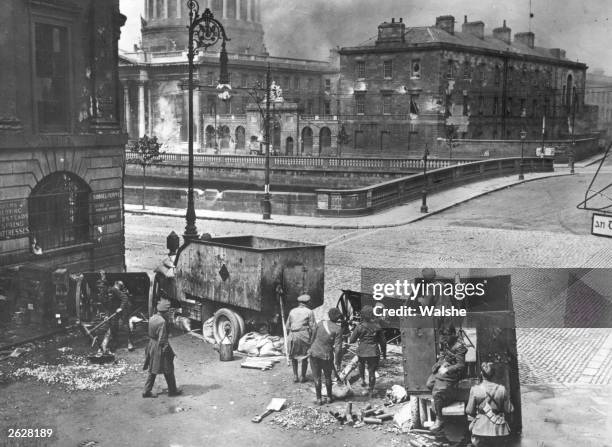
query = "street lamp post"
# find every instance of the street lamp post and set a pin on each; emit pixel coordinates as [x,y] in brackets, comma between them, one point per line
[204,32]
[521,173]
[424,208]
[266,205]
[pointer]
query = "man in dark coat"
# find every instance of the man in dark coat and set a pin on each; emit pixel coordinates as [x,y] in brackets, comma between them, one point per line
[371,337]
[325,352]
[446,373]
[159,356]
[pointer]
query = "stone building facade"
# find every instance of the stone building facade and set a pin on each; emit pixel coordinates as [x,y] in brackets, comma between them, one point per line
[61,143]
[156,98]
[599,93]
[416,86]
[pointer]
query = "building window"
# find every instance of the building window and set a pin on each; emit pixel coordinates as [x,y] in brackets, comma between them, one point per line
[51,83]
[360,104]
[309,84]
[465,105]
[416,69]
[388,69]
[510,73]
[326,108]
[483,73]
[386,104]
[245,81]
[414,104]
[327,85]
[481,105]
[361,69]
[495,105]
[497,75]
[450,70]
[310,107]
[59,211]
[509,107]
[296,83]
[467,70]
[359,139]
[523,108]
[245,102]
[534,105]
[210,78]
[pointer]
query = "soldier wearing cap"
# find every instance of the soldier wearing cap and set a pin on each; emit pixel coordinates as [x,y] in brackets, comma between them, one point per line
[300,325]
[371,337]
[159,356]
[489,405]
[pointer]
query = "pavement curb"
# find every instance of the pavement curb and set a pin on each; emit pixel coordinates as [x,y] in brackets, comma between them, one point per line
[347,227]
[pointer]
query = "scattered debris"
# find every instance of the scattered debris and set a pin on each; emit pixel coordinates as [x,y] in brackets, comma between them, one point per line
[65,349]
[76,373]
[299,417]
[89,444]
[276,404]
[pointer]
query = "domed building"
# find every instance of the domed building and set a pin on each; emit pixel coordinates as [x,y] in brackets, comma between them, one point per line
[154,79]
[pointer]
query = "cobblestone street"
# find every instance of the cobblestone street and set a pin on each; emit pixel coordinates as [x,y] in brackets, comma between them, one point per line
[498,230]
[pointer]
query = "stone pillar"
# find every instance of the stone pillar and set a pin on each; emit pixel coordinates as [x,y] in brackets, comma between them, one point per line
[249,10]
[146,11]
[165,6]
[225,9]
[179,8]
[238,9]
[126,104]
[142,130]
[8,75]
[155,11]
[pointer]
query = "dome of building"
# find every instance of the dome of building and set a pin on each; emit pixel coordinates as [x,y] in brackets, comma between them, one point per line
[165,22]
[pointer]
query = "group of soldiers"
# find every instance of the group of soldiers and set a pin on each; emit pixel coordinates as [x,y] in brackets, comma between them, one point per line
[321,344]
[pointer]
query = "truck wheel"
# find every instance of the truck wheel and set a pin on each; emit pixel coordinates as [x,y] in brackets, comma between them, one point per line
[227,321]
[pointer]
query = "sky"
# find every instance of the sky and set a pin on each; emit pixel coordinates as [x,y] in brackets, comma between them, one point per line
[309,28]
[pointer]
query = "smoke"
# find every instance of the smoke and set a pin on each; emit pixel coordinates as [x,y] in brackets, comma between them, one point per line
[308,29]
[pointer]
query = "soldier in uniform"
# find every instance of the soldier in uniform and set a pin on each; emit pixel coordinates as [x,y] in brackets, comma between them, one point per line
[489,404]
[446,373]
[300,325]
[118,301]
[159,356]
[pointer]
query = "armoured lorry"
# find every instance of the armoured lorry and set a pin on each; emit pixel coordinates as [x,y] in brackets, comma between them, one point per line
[243,282]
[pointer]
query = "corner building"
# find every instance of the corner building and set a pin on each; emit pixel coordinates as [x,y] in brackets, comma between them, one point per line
[61,144]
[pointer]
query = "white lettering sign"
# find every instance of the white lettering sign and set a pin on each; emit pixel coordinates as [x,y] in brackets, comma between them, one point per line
[602,225]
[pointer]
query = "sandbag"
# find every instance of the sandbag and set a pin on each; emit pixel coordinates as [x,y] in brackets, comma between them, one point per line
[261,345]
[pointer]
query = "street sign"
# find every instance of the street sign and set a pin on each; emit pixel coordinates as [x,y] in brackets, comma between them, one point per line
[602,225]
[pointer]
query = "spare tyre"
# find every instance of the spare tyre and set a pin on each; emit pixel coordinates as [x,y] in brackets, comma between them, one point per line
[226,321]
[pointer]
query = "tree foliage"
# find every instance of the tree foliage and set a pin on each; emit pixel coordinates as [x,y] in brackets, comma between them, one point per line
[147,151]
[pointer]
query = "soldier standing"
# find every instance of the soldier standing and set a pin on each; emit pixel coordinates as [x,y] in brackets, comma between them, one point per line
[300,325]
[159,356]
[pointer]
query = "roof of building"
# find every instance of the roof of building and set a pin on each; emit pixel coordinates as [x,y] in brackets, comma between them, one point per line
[420,36]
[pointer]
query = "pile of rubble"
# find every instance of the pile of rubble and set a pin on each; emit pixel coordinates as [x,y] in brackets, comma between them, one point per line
[74,372]
[300,417]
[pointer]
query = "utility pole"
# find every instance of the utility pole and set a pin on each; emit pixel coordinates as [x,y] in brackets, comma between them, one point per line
[266,205]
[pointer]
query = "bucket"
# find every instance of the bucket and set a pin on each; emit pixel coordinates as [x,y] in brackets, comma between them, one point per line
[226,350]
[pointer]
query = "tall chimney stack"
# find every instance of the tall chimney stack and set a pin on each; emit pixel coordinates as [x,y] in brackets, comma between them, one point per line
[503,33]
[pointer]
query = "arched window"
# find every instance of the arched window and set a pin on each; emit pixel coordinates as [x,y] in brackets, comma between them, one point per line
[569,91]
[210,137]
[240,137]
[324,141]
[59,211]
[224,137]
[289,146]
[307,140]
